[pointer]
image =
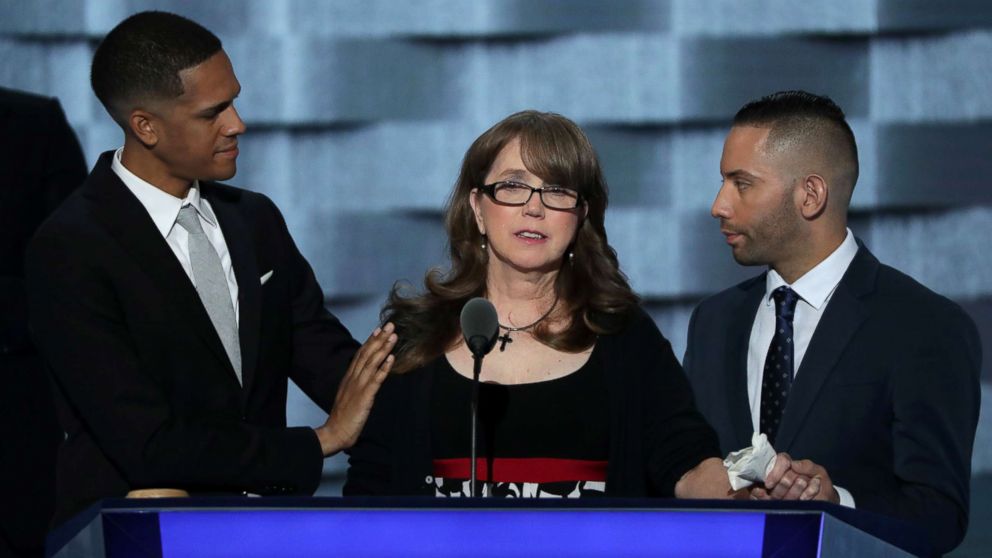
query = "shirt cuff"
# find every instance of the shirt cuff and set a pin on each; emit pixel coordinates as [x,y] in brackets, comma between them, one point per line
[846,499]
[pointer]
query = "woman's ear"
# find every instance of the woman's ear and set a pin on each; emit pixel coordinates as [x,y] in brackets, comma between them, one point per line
[473,200]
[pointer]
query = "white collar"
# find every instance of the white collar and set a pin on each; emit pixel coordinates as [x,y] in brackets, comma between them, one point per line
[160,205]
[817,284]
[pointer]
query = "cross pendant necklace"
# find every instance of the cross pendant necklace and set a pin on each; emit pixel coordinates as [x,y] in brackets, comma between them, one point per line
[505,338]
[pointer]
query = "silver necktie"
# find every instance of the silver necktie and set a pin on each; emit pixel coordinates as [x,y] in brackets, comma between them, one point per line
[211,285]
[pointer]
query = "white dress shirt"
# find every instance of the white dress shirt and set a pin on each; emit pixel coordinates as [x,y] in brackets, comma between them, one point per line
[164,208]
[814,289]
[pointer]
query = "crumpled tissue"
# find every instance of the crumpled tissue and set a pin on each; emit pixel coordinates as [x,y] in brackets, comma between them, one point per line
[750,465]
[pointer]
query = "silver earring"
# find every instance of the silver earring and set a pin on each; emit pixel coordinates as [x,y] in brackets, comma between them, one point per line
[483,243]
[571,257]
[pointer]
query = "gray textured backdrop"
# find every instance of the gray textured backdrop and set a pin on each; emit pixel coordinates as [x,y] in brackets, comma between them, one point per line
[360,110]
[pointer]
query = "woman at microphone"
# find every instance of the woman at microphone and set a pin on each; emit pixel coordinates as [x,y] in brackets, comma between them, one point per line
[581,395]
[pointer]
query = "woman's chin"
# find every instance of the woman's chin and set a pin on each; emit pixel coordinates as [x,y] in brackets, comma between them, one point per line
[530,266]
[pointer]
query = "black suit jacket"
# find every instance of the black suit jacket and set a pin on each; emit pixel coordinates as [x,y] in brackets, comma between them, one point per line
[40,164]
[145,391]
[886,397]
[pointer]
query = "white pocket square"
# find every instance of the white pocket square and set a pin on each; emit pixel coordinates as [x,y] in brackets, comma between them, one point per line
[265,278]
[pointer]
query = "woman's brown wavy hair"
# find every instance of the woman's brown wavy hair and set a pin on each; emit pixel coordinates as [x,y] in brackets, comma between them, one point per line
[592,290]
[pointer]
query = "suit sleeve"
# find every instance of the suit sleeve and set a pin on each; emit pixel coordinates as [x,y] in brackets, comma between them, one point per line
[322,346]
[79,325]
[936,398]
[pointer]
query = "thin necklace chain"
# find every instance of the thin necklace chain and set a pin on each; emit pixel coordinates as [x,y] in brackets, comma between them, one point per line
[535,322]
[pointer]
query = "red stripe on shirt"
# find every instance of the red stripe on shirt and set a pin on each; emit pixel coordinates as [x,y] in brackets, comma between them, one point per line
[531,469]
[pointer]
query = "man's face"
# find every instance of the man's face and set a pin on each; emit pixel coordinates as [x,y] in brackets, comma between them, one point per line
[198,131]
[756,205]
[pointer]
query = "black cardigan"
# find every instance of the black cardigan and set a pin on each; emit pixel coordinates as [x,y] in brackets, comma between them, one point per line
[656,433]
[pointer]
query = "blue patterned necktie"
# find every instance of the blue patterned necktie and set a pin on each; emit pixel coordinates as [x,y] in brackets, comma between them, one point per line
[779,366]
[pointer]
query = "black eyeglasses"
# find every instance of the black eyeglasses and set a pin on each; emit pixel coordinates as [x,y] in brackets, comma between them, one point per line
[518,193]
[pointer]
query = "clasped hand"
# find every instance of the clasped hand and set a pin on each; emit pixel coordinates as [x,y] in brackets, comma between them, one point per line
[796,480]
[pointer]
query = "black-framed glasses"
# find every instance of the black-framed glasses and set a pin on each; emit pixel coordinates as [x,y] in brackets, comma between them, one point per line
[518,193]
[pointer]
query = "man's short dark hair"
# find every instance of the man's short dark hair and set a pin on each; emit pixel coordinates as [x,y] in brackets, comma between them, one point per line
[141,58]
[809,121]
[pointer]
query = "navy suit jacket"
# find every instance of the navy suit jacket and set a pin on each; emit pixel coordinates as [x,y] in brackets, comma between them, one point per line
[145,390]
[886,397]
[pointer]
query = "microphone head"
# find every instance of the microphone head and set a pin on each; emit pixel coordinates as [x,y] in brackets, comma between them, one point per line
[480,326]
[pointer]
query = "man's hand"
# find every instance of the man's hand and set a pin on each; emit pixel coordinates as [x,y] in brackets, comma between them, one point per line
[707,480]
[796,480]
[821,487]
[356,393]
[781,483]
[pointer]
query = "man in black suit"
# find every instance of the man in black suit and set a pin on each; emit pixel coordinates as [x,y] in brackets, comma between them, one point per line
[868,377]
[40,164]
[172,309]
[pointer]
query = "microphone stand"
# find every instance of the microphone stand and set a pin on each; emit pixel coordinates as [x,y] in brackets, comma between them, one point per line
[480,326]
[473,452]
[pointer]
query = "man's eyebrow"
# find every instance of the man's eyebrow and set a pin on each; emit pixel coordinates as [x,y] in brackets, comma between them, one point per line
[216,109]
[739,173]
[219,107]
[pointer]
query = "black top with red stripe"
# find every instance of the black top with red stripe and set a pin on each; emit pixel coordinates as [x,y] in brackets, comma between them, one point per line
[539,439]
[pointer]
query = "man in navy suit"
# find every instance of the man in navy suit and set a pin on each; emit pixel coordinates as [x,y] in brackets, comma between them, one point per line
[172,310]
[867,378]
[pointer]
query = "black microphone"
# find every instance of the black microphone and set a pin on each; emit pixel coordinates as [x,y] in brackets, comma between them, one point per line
[480,326]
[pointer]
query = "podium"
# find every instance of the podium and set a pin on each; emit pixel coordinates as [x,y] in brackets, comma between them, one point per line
[305,527]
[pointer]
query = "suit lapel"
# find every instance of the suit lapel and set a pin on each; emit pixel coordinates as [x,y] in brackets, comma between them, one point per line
[843,316]
[238,237]
[739,334]
[129,223]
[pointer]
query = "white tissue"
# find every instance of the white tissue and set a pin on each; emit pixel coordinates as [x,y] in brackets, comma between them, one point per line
[750,465]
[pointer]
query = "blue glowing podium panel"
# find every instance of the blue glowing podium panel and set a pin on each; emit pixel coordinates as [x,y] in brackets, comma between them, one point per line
[191,528]
[460,533]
